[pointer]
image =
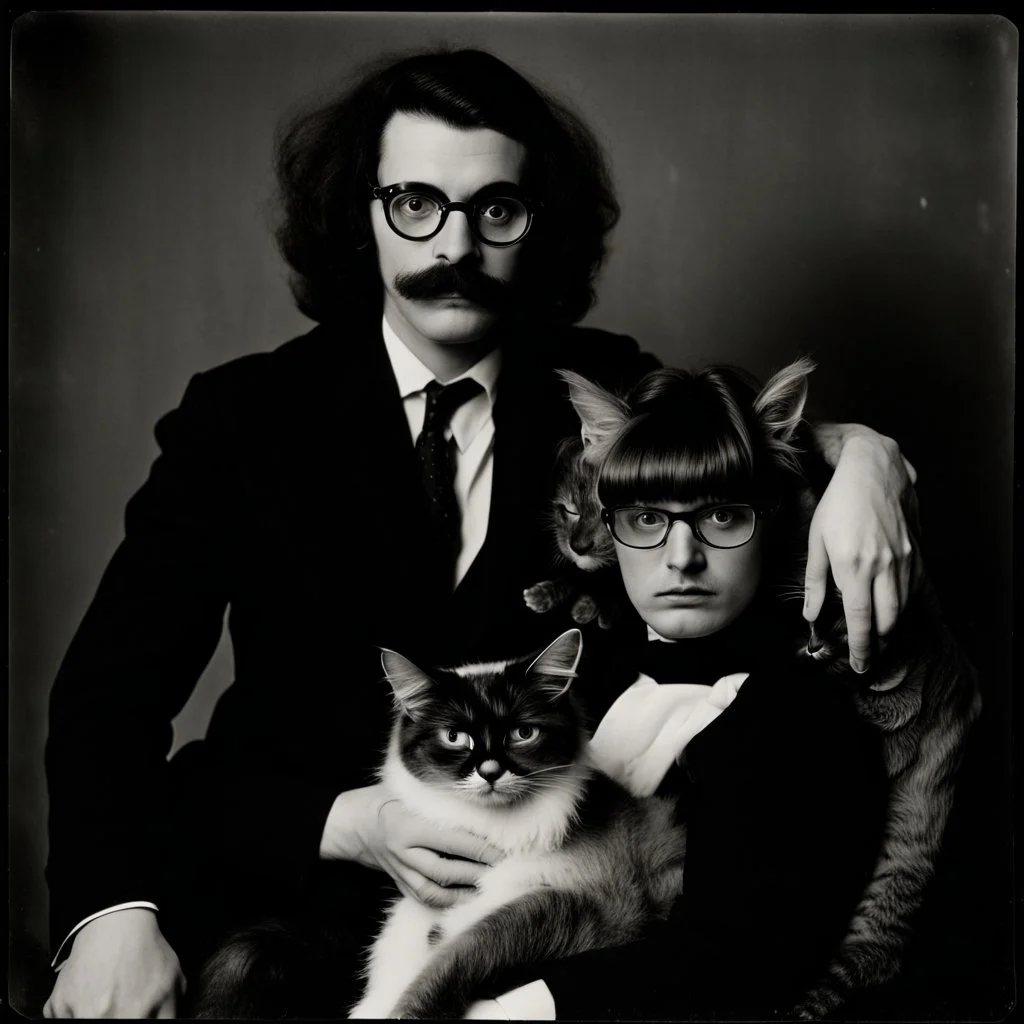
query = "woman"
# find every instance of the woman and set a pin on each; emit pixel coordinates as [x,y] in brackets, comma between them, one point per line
[780,784]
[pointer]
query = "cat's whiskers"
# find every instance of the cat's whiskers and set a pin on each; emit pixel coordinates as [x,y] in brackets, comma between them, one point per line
[534,788]
[540,771]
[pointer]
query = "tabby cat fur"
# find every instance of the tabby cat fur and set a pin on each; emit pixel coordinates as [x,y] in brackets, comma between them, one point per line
[582,543]
[922,694]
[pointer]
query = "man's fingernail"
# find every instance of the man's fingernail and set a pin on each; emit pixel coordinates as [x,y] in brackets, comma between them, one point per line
[858,666]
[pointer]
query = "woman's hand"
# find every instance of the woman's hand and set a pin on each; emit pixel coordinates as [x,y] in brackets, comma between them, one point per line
[120,965]
[860,530]
[433,866]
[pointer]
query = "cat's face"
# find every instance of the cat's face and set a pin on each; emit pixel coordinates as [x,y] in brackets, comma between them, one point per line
[581,535]
[826,640]
[828,646]
[826,643]
[495,733]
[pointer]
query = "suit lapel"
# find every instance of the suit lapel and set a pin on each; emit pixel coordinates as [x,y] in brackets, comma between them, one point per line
[529,418]
[395,543]
[354,510]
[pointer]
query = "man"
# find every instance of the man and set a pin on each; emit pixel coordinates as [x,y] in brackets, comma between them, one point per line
[445,223]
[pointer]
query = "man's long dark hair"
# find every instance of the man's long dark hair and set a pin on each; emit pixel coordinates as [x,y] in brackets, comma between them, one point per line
[327,160]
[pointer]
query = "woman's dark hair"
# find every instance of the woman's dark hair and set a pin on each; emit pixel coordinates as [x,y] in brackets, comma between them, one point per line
[327,160]
[694,436]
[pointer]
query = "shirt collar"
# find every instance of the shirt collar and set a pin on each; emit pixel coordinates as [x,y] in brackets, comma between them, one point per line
[651,635]
[412,376]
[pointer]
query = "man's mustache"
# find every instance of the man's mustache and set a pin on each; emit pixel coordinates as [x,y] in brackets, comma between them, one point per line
[463,279]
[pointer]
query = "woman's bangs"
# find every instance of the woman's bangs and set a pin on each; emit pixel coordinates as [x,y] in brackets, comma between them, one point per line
[685,462]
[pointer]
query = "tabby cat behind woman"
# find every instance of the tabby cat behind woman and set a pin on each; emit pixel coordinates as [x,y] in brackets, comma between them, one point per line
[589,583]
[922,695]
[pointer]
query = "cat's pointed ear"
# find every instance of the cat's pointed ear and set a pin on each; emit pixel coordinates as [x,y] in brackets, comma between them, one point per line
[780,405]
[410,684]
[780,408]
[554,668]
[602,414]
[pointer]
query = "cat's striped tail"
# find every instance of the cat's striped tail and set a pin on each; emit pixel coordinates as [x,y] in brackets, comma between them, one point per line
[919,806]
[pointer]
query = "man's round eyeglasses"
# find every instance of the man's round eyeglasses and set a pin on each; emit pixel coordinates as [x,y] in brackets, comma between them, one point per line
[718,526]
[498,215]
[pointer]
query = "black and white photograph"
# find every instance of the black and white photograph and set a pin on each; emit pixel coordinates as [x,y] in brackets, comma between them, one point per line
[511,516]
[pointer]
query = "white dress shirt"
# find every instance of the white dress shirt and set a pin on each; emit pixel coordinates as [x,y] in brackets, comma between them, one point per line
[472,427]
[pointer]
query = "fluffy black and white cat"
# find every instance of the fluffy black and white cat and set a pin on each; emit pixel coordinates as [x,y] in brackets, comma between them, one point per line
[499,750]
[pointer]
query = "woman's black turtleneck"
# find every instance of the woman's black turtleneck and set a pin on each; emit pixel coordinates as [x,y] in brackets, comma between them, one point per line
[757,640]
[783,796]
[764,638]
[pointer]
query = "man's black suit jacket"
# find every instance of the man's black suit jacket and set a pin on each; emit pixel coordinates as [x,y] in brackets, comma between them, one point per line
[287,496]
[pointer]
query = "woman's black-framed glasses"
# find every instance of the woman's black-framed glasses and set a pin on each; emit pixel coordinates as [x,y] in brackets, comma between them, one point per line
[718,526]
[498,215]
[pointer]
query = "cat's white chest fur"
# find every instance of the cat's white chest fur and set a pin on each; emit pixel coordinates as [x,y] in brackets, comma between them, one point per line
[529,831]
[536,823]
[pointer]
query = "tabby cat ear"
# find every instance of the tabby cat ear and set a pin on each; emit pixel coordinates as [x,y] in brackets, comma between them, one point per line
[780,405]
[602,414]
[410,685]
[554,668]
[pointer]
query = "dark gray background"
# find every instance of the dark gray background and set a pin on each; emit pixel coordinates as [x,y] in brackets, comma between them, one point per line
[843,186]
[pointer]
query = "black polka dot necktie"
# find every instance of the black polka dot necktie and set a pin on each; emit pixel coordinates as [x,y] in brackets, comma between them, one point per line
[437,459]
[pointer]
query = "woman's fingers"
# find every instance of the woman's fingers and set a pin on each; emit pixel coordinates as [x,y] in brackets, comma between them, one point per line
[857,610]
[816,575]
[461,844]
[405,830]
[886,598]
[417,886]
[444,870]
[412,850]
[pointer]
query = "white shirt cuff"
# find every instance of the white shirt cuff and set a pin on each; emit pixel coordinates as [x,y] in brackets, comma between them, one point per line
[65,945]
[533,1001]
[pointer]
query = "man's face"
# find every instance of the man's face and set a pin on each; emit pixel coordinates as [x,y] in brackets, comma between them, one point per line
[459,162]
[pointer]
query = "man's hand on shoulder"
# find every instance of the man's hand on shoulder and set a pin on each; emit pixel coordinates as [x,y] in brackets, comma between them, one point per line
[860,531]
[120,965]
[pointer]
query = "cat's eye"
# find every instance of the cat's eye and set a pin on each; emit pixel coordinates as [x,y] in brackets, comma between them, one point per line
[566,511]
[523,734]
[456,739]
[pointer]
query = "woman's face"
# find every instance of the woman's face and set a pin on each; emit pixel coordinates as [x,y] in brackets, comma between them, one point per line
[686,588]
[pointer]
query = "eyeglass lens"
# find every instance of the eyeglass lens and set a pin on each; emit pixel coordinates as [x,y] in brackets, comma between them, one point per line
[496,219]
[723,526]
